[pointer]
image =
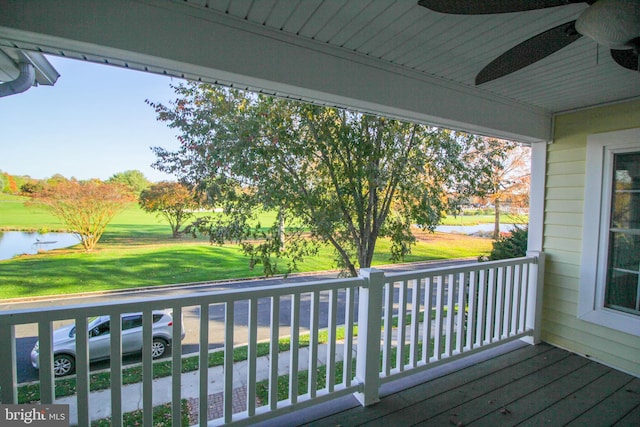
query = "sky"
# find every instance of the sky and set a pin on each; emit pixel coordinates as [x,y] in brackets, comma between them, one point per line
[93,123]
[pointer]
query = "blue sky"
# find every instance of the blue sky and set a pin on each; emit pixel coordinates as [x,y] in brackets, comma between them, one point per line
[92,124]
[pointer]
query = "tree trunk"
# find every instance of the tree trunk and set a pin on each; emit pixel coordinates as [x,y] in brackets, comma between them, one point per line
[496,221]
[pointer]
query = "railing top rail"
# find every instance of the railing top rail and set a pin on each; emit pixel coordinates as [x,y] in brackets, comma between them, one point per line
[391,277]
[30,315]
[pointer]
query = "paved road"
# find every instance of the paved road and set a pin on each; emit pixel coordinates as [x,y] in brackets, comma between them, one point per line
[26,334]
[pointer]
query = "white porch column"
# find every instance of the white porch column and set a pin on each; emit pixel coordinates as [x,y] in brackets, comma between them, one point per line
[533,318]
[369,325]
[536,196]
[536,239]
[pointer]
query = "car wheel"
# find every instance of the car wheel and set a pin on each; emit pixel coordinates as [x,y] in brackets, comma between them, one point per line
[63,364]
[158,348]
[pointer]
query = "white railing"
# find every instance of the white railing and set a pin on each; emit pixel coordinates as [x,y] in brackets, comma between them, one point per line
[405,322]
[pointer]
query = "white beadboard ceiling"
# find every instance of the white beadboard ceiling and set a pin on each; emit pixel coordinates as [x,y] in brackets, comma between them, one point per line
[398,42]
[450,47]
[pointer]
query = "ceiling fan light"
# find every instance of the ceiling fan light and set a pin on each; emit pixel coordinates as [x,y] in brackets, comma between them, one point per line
[611,23]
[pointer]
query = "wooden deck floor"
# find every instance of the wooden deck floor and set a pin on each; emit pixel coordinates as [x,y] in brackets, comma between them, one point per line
[528,386]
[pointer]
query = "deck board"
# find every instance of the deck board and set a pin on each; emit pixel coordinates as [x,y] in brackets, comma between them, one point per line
[519,407]
[529,386]
[496,400]
[575,404]
[613,408]
[399,403]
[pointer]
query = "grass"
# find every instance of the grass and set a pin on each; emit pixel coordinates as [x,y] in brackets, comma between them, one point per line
[137,250]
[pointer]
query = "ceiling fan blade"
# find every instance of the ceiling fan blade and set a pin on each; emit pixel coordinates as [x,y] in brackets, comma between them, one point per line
[529,51]
[481,7]
[627,58]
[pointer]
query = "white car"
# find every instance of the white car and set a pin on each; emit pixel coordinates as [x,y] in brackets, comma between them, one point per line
[64,340]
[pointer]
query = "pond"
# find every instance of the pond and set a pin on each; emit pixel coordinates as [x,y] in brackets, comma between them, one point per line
[473,229]
[14,243]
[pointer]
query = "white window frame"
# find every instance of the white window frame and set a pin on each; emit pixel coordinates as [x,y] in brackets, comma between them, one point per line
[595,238]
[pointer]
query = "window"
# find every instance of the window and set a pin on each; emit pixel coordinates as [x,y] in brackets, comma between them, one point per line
[610,275]
[131,322]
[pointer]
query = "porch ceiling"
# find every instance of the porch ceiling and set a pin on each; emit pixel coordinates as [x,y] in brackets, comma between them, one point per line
[382,56]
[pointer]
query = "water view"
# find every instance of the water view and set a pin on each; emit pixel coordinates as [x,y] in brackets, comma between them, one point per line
[13,243]
[473,229]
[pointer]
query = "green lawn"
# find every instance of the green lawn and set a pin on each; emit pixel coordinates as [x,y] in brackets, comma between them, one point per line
[137,250]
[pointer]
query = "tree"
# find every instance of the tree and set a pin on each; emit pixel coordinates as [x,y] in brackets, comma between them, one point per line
[133,179]
[349,178]
[86,207]
[171,200]
[8,184]
[509,179]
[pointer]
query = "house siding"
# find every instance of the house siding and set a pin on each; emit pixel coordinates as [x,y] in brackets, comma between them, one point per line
[564,207]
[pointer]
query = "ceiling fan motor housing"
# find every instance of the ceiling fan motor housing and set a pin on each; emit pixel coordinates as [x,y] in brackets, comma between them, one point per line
[611,23]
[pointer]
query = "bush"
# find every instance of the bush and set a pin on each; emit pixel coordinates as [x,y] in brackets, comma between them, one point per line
[512,246]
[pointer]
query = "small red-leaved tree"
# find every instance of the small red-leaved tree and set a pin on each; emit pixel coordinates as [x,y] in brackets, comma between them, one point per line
[172,200]
[85,207]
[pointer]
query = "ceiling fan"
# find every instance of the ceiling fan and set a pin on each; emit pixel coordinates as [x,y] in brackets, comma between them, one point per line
[610,23]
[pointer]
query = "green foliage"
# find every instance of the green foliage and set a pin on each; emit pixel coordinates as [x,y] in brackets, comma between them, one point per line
[31,187]
[342,174]
[512,246]
[172,200]
[133,179]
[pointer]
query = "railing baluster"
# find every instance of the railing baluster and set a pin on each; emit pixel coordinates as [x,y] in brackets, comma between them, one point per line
[499,304]
[313,344]
[9,380]
[176,367]
[252,356]
[115,331]
[147,367]
[401,331]
[388,329]
[462,305]
[274,351]
[472,315]
[437,345]
[82,371]
[449,338]
[295,346]
[515,315]
[426,327]
[347,370]
[331,340]
[415,324]
[45,337]
[524,291]
[508,303]
[229,323]
[203,365]
[491,304]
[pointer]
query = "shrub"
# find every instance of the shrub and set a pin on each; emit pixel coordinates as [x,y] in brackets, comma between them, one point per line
[513,245]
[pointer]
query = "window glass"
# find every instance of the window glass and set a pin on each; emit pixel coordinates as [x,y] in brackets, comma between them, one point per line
[623,266]
[101,329]
[131,322]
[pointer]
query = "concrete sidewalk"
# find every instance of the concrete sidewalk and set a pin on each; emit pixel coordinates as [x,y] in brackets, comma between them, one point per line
[100,401]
